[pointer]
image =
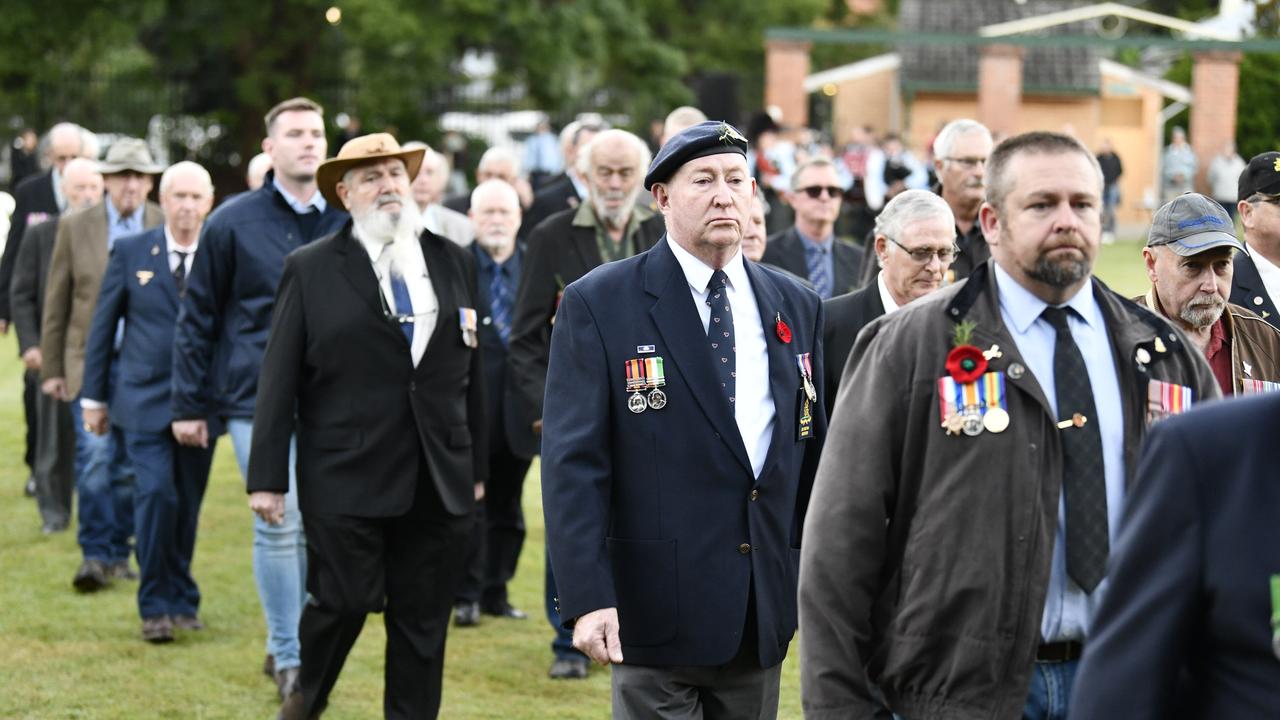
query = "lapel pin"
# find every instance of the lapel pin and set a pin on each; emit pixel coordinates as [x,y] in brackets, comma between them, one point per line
[1257,299]
[784,332]
[1142,356]
[645,349]
[993,353]
[1016,370]
[144,276]
[155,249]
[1160,346]
[1248,369]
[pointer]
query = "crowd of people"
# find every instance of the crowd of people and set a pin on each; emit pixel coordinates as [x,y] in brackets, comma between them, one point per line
[775,386]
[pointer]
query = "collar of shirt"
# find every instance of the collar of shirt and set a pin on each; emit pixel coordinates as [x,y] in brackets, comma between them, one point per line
[698,273]
[172,245]
[377,252]
[1024,308]
[1217,338]
[1269,273]
[302,208]
[114,217]
[886,297]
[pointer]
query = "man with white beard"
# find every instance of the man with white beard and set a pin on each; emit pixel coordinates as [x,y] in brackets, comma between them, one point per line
[373,361]
[1189,261]
[498,537]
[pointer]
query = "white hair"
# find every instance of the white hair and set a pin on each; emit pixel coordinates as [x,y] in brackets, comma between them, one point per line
[643,155]
[496,186]
[186,166]
[951,131]
[911,206]
[683,117]
[499,154]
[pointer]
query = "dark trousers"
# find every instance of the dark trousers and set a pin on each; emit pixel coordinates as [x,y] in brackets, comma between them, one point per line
[498,535]
[54,468]
[170,484]
[408,566]
[30,394]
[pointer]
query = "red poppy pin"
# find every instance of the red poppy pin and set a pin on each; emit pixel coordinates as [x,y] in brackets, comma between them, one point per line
[784,332]
[965,363]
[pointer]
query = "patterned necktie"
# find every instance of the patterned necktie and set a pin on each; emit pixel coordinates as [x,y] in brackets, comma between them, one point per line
[180,272]
[720,333]
[816,261]
[1084,484]
[404,306]
[500,304]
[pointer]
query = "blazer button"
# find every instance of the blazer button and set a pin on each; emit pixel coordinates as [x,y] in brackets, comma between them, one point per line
[745,548]
[755,494]
[413,386]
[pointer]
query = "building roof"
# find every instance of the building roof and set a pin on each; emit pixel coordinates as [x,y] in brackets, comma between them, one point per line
[1048,70]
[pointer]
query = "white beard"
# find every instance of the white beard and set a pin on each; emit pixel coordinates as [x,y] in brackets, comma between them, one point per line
[398,232]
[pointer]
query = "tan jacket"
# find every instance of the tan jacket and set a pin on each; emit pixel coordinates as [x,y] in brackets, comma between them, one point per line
[926,556]
[71,290]
[1255,343]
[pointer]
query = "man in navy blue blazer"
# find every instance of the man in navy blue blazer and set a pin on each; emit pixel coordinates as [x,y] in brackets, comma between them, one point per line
[143,286]
[1191,625]
[682,425]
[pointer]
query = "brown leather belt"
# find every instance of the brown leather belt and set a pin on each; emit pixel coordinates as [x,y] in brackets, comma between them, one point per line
[1057,652]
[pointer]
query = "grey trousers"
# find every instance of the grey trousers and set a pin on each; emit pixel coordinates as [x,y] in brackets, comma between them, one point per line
[54,466]
[737,690]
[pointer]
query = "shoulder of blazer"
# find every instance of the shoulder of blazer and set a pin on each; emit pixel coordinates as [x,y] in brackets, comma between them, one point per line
[138,242]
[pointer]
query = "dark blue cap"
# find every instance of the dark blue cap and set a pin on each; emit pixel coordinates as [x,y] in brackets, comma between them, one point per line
[713,137]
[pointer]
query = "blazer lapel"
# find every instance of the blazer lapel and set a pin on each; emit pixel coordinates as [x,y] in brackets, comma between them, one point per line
[681,328]
[784,373]
[448,296]
[358,271]
[846,267]
[159,259]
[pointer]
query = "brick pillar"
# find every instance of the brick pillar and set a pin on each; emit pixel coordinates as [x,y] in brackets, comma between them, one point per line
[786,65]
[1215,87]
[1000,87]
[864,7]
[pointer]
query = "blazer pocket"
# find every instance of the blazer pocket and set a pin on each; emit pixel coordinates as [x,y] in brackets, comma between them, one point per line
[459,436]
[333,438]
[645,581]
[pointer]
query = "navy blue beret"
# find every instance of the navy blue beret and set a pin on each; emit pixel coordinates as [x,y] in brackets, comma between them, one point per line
[712,137]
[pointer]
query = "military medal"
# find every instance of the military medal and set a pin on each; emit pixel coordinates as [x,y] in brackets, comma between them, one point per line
[973,407]
[1275,615]
[657,378]
[467,321]
[995,419]
[1165,399]
[1255,387]
[805,362]
[635,383]
[645,374]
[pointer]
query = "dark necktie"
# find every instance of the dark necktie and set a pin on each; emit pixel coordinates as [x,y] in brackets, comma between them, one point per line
[816,263]
[500,304]
[404,306]
[180,272]
[1084,484]
[720,333]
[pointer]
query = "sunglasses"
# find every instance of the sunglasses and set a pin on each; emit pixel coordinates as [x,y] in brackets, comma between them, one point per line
[816,191]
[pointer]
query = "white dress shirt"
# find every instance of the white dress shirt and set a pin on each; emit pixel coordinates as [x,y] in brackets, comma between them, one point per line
[173,248]
[753,401]
[886,297]
[421,293]
[1270,275]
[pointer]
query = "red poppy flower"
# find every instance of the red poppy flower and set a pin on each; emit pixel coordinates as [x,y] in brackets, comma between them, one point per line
[965,363]
[784,332]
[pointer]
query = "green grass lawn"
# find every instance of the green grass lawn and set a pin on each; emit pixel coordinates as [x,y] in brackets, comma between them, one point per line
[65,655]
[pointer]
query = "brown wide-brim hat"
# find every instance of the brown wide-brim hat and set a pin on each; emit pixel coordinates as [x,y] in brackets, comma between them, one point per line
[129,154]
[358,151]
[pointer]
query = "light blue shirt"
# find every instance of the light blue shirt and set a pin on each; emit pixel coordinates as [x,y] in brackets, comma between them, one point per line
[1067,609]
[121,226]
[302,208]
[824,248]
[542,153]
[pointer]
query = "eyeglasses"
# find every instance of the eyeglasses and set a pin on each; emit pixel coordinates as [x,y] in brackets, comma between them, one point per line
[968,162]
[816,191]
[922,256]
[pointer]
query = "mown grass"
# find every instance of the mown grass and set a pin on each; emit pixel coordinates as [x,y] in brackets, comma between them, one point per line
[65,655]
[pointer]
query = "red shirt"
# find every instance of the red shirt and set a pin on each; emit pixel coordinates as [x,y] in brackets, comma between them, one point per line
[1218,353]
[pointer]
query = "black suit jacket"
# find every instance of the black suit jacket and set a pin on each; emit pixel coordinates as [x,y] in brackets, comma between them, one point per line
[558,194]
[786,250]
[557,254]
[1247,290]
[32,198]
[459,203]
[26,293]
[498,392]
[338,370]
[846,315]
[1184,630]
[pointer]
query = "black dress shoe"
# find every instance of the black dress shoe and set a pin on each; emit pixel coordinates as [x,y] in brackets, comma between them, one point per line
[504,610]
[157,629]
[92,576]
[269,666]
[120,570]
[466,614]
[292,708]
[568,668]
[287,683]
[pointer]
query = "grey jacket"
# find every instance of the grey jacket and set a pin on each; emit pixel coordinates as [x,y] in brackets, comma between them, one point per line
[926,556]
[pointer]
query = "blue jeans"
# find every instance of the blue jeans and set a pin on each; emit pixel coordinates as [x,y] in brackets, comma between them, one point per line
[104,482]
[1050,690]
[279,557]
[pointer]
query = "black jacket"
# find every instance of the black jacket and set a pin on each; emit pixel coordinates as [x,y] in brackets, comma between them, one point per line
[786,250]
[26,293]
[558,194]
[557,254]
[498,392]
[33,201]
[846,316]
[223,322]
[1248,291]
[338,371]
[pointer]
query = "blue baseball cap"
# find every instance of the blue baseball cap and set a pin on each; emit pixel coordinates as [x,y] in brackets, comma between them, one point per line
[1192,223]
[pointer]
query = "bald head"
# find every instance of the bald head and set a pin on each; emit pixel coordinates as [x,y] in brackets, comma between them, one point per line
[81,183]
[495,215]
[66,141]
